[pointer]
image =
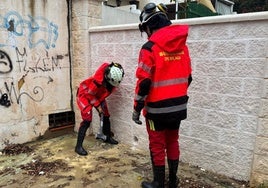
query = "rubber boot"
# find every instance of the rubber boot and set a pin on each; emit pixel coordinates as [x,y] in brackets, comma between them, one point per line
[110,140]
[107,131]
[173,168]
[159,178]
[80,138]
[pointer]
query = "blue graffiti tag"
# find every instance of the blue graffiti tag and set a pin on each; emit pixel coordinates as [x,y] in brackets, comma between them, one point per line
[37,30]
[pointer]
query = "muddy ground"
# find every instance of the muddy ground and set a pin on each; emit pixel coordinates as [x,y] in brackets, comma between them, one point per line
[52,162]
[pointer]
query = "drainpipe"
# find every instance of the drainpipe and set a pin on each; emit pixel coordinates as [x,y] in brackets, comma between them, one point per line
[69,23]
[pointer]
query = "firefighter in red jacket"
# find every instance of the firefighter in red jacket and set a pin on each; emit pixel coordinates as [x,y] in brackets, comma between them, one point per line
[92,93]
[163,76]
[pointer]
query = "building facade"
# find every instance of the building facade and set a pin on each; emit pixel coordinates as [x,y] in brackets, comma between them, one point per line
[45,55]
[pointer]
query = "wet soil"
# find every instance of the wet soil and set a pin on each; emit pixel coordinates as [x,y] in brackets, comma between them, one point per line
[52,162]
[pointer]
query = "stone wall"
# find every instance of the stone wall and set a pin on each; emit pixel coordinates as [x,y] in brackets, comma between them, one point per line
[226,131]
[34,67]
[85,14]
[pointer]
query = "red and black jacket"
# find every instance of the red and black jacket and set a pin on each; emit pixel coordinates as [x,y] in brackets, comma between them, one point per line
[94,90]
[164,74]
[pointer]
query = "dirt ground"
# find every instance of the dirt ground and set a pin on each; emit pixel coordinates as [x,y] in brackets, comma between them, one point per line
[52,162]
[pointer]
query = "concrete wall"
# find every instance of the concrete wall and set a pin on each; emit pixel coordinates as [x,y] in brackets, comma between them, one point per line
[85,14]
[34,67]
[142,3]
[226,130]
[119,15]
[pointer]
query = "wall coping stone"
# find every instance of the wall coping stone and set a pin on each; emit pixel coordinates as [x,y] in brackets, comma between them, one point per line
[191,21]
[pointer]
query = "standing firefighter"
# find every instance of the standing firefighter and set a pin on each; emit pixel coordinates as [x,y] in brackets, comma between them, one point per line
[163,76]
[92,92]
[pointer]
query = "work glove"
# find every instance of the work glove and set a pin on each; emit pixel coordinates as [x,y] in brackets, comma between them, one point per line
[136,117]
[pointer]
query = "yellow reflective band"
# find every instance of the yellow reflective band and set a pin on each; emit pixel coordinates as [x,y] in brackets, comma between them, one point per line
[161,8]
[151,123]
[116,65]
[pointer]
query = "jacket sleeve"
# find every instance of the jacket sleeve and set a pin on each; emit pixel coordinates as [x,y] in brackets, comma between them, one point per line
[143,75]
[90,90]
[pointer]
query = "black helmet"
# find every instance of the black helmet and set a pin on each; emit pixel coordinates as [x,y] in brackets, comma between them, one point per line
[155,17]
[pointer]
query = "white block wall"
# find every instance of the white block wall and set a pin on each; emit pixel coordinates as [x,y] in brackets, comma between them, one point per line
[228,96]
[229,62]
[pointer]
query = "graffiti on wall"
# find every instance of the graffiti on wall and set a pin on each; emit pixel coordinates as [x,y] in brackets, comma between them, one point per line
[29,40]
[5,63]
[37,30]
[39,62]
[4,101]
[14,95]
[42,62]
